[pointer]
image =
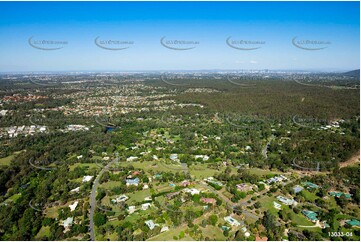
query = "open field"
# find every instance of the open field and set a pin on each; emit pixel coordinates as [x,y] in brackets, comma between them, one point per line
[6,160]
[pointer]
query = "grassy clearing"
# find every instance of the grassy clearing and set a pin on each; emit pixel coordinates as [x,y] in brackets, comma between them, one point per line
[43,232]
[200,171]
[300,219]
[162,188]
[260,172]
[267,204]
[213,232]
[309,196]
[52,212]
[137,196]
[13,198]
[171,233]
[84,165]
[110,184]
[6,160]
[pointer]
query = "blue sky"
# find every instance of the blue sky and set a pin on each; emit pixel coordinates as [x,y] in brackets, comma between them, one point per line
[208,23]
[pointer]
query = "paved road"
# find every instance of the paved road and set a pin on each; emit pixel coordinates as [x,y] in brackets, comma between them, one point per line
[93,195]
[227,201]
[264,150]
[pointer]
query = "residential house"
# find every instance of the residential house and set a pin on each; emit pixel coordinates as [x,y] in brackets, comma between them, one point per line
[277,205]
[164,229]
[150,224]
[286,201]
[77,189]
[208,200]
[87,178]
[145,206]
[353,223]
[243,187]
[132,158]
[68,222]
[73,206]
[185,183]
[312,216]
[192,191]
[171,195]
[339,194]
[130,182]
[131,209]
[310,185]
[119,199]
[232,221]
[297,189]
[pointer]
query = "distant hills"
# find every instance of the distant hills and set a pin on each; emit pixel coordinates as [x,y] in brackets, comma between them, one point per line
[354,73]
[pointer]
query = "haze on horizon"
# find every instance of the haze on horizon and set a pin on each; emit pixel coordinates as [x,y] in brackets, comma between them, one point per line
[209,24]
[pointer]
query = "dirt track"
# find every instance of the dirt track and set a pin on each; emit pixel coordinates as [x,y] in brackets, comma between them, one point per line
[353,160]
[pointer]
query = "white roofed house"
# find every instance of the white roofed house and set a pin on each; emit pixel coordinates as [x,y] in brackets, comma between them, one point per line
[286,201]
[164,229]
[67,223]
[192,191]
[73,206]
[145,206]
[276,205]
[150,224]
[87,178]
[77,189]
[130,182]
[119,199]
[132,158]
[174,157]
[232,221]
[131,209]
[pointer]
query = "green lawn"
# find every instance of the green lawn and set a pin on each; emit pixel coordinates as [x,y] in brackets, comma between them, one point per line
[309,196]
[200,171]
[260,172]
[172,232]
[300,219]
[13,198]
[52,212]
[137,196]
[6,160]
[110,184]
[213,232]
[147,165]
[84,165]
[44,231]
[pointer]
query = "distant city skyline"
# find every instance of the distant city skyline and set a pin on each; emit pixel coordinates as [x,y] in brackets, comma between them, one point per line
[141,36]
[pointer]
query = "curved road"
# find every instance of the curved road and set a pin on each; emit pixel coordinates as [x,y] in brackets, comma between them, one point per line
[264,150]
[93,195]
